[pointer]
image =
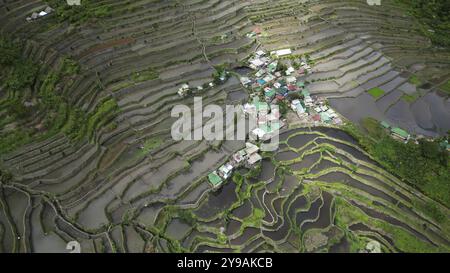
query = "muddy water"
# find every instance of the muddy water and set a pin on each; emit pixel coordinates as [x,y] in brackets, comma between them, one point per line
[299,141]
[439,110]
[346,179]
[267,170]
[300,203]
[177,229]
[206,249]
[243,211]
[174,186]
[191,237]
[218,201]
[338,134]
[233,227]
[135,243]
[280,233]
[290,183]
[255,243]
[41,242]
[94,216]
[268,198]
[342,247]
[272,186]
[357,108]
[243,70]
[363,227]
[311,213]
[148,214]
[285,135]
[422,114]
[246,236]
[346,148]
[286,156]
[306,162]
[195,194]
[393,221]
[323,165]
[429,115]
[324,214]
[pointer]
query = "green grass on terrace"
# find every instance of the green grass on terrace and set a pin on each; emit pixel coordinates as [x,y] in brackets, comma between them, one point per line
[410,98]
[414,80]
[446,87]
[376,92]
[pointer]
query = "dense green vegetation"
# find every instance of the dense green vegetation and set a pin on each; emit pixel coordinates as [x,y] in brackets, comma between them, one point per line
[425,165]
[150,145]
[145,75]
[346,214]
[376,92]
[410,98]
[17,75]
[27,94]
[414,80]
[88,10]
[434,16]
[446,87]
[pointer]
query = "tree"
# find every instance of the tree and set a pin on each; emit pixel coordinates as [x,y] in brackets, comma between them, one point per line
[9,52]
[284,107]
[5,176]
[429,149]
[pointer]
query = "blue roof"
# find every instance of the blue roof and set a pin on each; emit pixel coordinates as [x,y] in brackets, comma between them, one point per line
[261,81]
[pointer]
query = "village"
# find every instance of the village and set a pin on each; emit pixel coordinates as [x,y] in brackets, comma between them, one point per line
[276,85]
[279,80]
[223,127]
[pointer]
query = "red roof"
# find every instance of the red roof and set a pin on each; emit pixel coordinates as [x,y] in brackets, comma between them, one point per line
[316,118]
[279,97]
[257,30]
[292,87]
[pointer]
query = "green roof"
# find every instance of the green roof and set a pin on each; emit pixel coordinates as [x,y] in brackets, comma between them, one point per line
[325,117]
[305,92]
[260,105]
[272,66]
[385,124]
[268,129]
[270,93]
[300,84]
[215,179]
[400,132]
[444,144]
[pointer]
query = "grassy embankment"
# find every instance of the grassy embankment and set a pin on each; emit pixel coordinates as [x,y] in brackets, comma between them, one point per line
[425,166]
[48,111]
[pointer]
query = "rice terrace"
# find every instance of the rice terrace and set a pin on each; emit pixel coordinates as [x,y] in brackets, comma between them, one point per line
[356,94]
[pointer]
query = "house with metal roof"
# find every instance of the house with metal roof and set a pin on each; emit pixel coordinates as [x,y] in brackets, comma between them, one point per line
[400,133]
[215,179]
[385,125]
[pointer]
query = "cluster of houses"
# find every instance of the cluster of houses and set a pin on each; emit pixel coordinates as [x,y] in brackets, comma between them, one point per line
[314,110]
[396,132]
[186,90]
[267,119]
[37,15]
[256,32]
[402,135]
[278,84]
[248,157]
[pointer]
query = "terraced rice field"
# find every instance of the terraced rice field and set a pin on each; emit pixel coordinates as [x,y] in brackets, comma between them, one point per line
[319,192]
